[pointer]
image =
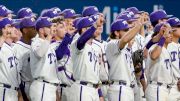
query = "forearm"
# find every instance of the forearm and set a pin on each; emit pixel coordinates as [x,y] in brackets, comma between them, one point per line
[43,48]
[129,36]
[85,37]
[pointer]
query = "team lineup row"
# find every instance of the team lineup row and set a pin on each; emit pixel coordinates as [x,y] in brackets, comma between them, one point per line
[60,56]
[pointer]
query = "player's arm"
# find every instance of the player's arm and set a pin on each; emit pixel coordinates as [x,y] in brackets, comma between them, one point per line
[130,35]
[1,43]
[60,51]
[85,37]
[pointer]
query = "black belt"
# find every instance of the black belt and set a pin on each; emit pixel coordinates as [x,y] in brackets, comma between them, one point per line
[161,84]
[86,83]
[105,82]
[122,82]
[10,87]
[63,85]
[55,84]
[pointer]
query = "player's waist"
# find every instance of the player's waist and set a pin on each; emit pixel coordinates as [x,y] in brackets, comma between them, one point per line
[41,79]
[122,82]
[162,84]
[89,84]
[9,86]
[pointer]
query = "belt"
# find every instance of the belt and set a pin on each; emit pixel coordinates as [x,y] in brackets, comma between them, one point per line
[122,82]
[161,84]
[89,84]
[105,82]
[9,86]
[63,85]
[55,84]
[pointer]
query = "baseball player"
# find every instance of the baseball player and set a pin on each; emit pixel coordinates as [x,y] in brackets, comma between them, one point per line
[160,75]
[174,49]
[121,70]
[43,62]
[85,63]
[9,82]
[23,49]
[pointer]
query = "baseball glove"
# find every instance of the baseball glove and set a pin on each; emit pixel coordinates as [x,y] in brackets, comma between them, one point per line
[137,58]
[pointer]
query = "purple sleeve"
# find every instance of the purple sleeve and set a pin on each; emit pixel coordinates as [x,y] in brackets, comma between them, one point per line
[100,92]
[63,47]
[149,44]
[85,37]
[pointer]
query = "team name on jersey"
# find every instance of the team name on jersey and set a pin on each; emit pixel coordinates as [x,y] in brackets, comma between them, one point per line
[12,61]
[52,58]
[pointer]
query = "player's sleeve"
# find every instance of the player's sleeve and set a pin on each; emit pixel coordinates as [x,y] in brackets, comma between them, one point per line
[85,37]
[63,47]
[113,47]
[1,56]
[40,47]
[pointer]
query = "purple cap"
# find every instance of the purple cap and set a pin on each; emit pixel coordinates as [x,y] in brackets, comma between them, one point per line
[5,21]
[43,22]
[174,22]
[75,22]
[95,17]
[25,12]
[134,10]
[16,23]
[126,17]
[49,13]
[56,9]
[27,22]
[119,24]
[85,22]
[4,11]
[158,27]
[159,14]
[90,10]
[69,13]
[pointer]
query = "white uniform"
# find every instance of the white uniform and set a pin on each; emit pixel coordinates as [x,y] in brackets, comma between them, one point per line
[100,47]
[64,67]
[139,42]
[23,55]
[85,69]
[121,70]
[9,74]
[43,64]
[160,76]
[174,50]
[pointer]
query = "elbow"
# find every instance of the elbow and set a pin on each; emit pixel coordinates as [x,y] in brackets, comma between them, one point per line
[154,57]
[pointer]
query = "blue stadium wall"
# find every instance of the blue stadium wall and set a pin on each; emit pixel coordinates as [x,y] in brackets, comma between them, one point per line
[109,7]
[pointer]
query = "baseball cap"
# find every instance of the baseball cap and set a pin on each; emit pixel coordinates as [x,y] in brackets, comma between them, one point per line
[43,22]
[119,24]
[174,22]
[27,22]
[25,12]
[4,11]
[84,22]
[16,23]
[49,13]
[95,17]
[134,10]
[75,22]
[90,10]
[69,13]
[127,17]
[158,27]
[159,14]
[56,9]
[5,21]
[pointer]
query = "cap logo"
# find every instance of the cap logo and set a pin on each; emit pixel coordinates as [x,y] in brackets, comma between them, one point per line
[90,19]
[95,8]
[128,15]
[57,9]
[72,11]
[177,20]
[131,13]
[164,11]
[48,19]
[28,10]
[4,8]
[54,12]
[32,19]
[125,22]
